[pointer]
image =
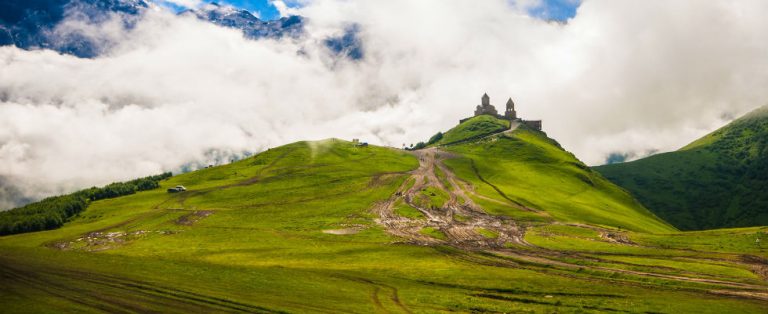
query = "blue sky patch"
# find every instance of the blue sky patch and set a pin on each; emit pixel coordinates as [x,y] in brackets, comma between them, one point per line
[558,10]
[264,8]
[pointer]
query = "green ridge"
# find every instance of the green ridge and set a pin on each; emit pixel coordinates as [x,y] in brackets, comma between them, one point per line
[474,128]
[528,168]
[717,181]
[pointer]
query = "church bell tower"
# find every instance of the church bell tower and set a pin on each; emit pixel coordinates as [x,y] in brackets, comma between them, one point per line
[510,113]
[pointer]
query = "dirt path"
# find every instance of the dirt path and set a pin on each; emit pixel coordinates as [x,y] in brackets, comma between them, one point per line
[542,258]
[466,226]
[462,222]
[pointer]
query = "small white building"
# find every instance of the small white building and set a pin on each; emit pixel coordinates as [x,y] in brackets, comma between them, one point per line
[176,189]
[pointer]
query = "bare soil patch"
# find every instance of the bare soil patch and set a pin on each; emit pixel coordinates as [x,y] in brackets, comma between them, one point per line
[193,217]
[101,241]
[458,219]
[342,231]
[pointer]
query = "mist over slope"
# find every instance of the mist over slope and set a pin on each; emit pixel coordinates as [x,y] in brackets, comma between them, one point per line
[718,181]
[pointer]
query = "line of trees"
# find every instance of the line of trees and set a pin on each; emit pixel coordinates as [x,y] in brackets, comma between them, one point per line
[432,140]
[124,188]
[53,212]
[49,213]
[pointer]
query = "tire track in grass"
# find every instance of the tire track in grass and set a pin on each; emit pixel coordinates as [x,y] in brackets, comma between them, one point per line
[376,291]
[170,293]
[53,289]
[97,300]
[396,299]
[541,261]
[142,292]
[376,301]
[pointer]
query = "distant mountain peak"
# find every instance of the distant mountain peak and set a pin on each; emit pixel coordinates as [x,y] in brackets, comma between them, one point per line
[32,24]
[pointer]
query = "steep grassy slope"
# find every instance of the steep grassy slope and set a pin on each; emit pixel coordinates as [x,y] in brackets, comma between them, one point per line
[528,168]
[717,181]
[292,230]
[474,128]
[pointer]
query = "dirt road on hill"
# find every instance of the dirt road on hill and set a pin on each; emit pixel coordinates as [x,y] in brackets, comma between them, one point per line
[466,226]
[462,222]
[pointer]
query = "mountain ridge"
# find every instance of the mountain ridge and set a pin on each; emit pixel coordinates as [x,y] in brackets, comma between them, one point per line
[32,24]
[716,181]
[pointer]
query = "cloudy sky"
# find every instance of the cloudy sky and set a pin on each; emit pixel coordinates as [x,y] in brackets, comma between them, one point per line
[628,77]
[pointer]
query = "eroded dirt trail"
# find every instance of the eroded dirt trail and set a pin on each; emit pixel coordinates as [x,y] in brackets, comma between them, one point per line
[466,226]
[459,219]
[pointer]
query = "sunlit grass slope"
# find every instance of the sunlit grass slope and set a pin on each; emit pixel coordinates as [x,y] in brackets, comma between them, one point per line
[715,254]
[291,230]
[717,181]
[527,167]
[474,128]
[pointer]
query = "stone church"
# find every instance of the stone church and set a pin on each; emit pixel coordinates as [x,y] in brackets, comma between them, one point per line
[510,114]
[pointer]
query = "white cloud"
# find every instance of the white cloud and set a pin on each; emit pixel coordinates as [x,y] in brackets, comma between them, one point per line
[621,76]
[286,8]
[185,3]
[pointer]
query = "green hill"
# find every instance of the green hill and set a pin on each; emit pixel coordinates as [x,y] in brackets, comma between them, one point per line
[474,128]
[717,181]
[528,168]
[507,222]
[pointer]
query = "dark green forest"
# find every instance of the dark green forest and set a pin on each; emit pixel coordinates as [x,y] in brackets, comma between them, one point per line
[53,212]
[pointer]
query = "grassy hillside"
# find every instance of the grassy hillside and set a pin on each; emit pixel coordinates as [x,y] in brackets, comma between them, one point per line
[474,128]
[298,228]
[717,181]
[528,168]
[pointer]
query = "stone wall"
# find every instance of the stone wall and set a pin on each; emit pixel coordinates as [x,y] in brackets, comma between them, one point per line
[533,124]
